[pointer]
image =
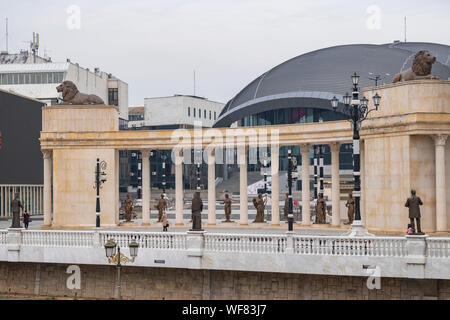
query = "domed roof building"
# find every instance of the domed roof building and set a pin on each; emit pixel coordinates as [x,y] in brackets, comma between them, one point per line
[299,90]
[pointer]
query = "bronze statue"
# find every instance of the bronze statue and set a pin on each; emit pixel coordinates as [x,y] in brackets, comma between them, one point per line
[227,202]
[161,206]
[16,205]
[260,206]
[321,210]
[286,206]
[71,95]
[420,69]
[197,207]
[351,208]
[128,208]
[413,204]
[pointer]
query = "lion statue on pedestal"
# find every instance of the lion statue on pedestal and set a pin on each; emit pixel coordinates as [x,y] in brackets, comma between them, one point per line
[420,69]
[71,95]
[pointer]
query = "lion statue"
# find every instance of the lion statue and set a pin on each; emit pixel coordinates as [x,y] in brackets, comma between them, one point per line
[420,69]
[71,95]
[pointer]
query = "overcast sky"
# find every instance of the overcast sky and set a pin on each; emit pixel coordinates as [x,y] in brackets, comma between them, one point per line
[155,45]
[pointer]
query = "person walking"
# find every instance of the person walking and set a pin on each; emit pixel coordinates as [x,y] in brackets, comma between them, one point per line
[26,219]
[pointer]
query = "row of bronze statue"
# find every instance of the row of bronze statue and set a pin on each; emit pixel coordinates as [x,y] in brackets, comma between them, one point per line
[413,203]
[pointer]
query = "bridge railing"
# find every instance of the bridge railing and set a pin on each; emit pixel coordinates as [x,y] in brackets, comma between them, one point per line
[438,247]
[345,246]
[257,243]
[57,238]
[3,234]
[147,240]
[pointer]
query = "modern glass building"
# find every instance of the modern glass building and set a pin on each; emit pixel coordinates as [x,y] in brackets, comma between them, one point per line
[300,89]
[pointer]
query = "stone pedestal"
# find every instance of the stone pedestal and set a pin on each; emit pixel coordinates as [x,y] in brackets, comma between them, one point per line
[195,243]
[416,260]
[14,241]
[358,230]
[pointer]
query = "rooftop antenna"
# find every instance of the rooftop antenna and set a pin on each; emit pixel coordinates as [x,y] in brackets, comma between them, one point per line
[405,28]
[194,82]
[35,45]
[6,34]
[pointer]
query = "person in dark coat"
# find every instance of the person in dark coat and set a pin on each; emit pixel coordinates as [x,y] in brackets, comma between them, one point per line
[413,204]
[197,207]
[16,205]
[26,219]
[260,206]
[286,206]
[227,202]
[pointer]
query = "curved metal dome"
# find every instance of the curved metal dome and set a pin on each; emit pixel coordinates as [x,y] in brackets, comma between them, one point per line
[312,79]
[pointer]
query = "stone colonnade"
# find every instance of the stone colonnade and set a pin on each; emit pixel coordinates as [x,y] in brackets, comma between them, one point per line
[441,197]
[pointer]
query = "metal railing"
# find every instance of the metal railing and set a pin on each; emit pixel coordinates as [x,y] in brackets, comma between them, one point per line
[31,196]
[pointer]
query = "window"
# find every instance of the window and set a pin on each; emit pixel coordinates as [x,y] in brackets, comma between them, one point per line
[214,115]
[113,96]
[204,114]
[199,113]
[189,111]
[194,112]
[209,114]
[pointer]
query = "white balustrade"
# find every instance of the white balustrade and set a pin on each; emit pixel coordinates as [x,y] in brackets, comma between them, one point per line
[245,243]
[438,247]
[31,197]
[3,236]
[332,245]
[147,240]
[57,238]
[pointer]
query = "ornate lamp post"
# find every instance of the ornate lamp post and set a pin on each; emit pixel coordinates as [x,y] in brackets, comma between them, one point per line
[164,157]
[357,111]
[100,179]
[119,258]
[290,212]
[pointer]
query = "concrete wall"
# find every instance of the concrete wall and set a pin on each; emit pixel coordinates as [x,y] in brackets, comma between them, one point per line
[157,283]
[20,125]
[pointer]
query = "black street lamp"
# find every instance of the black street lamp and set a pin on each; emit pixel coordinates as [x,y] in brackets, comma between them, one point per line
[291,212]
[119,258]
[100,178]
[357,111]
[316,160]
[164,157]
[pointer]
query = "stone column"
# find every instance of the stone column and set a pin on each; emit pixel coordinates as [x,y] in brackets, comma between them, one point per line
[242,161]
[306,214]
[441,214]
[179,187]
[211,187]
[47,187]
[146,187]
[335,184]
[274,155]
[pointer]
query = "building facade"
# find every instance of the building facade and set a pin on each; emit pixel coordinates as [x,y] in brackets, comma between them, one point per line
[20,74]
